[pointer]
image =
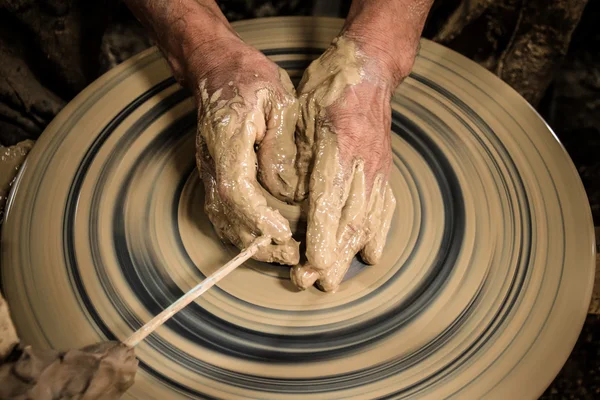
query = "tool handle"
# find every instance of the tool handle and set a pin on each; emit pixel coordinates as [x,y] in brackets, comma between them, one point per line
[195,292]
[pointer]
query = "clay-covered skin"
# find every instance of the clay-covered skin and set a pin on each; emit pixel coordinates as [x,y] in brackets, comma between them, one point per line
[247,104]
[247,110]
[344,159]
[102,371]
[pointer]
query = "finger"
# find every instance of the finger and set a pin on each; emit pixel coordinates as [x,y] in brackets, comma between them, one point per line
[305,130]
[349,231]
[330,279]
[224,224]
[327,196]
[305,140]
[373,250]
[354,230]
[354,211]
[215,210]
[287,253]
[213,205]
[232,149]
[303,276]
[375,209]
[277,151]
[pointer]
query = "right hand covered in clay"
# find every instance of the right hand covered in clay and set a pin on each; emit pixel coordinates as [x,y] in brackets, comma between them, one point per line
[344,143]
[247,112]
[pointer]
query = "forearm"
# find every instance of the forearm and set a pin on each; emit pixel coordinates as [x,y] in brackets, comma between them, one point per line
[185,30]
[388,31]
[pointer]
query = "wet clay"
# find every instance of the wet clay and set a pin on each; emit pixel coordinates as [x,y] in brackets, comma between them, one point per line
[102,371]
[323,82]
[231,124]
[245,140]
[277,150]
[360,225]
[346,215]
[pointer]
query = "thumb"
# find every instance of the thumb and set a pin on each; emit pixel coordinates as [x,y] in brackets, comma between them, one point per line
[276,154]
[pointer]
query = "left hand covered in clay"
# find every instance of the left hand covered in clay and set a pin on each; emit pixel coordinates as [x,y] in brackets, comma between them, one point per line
[344,133]
[247,110]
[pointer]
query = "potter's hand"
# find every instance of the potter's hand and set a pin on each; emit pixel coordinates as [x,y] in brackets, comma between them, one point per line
[246,118]
[344,133]
[247,112]
[344,136]
[102,371]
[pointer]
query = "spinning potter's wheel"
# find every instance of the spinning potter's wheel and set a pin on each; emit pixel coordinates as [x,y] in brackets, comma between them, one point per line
[482,290]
